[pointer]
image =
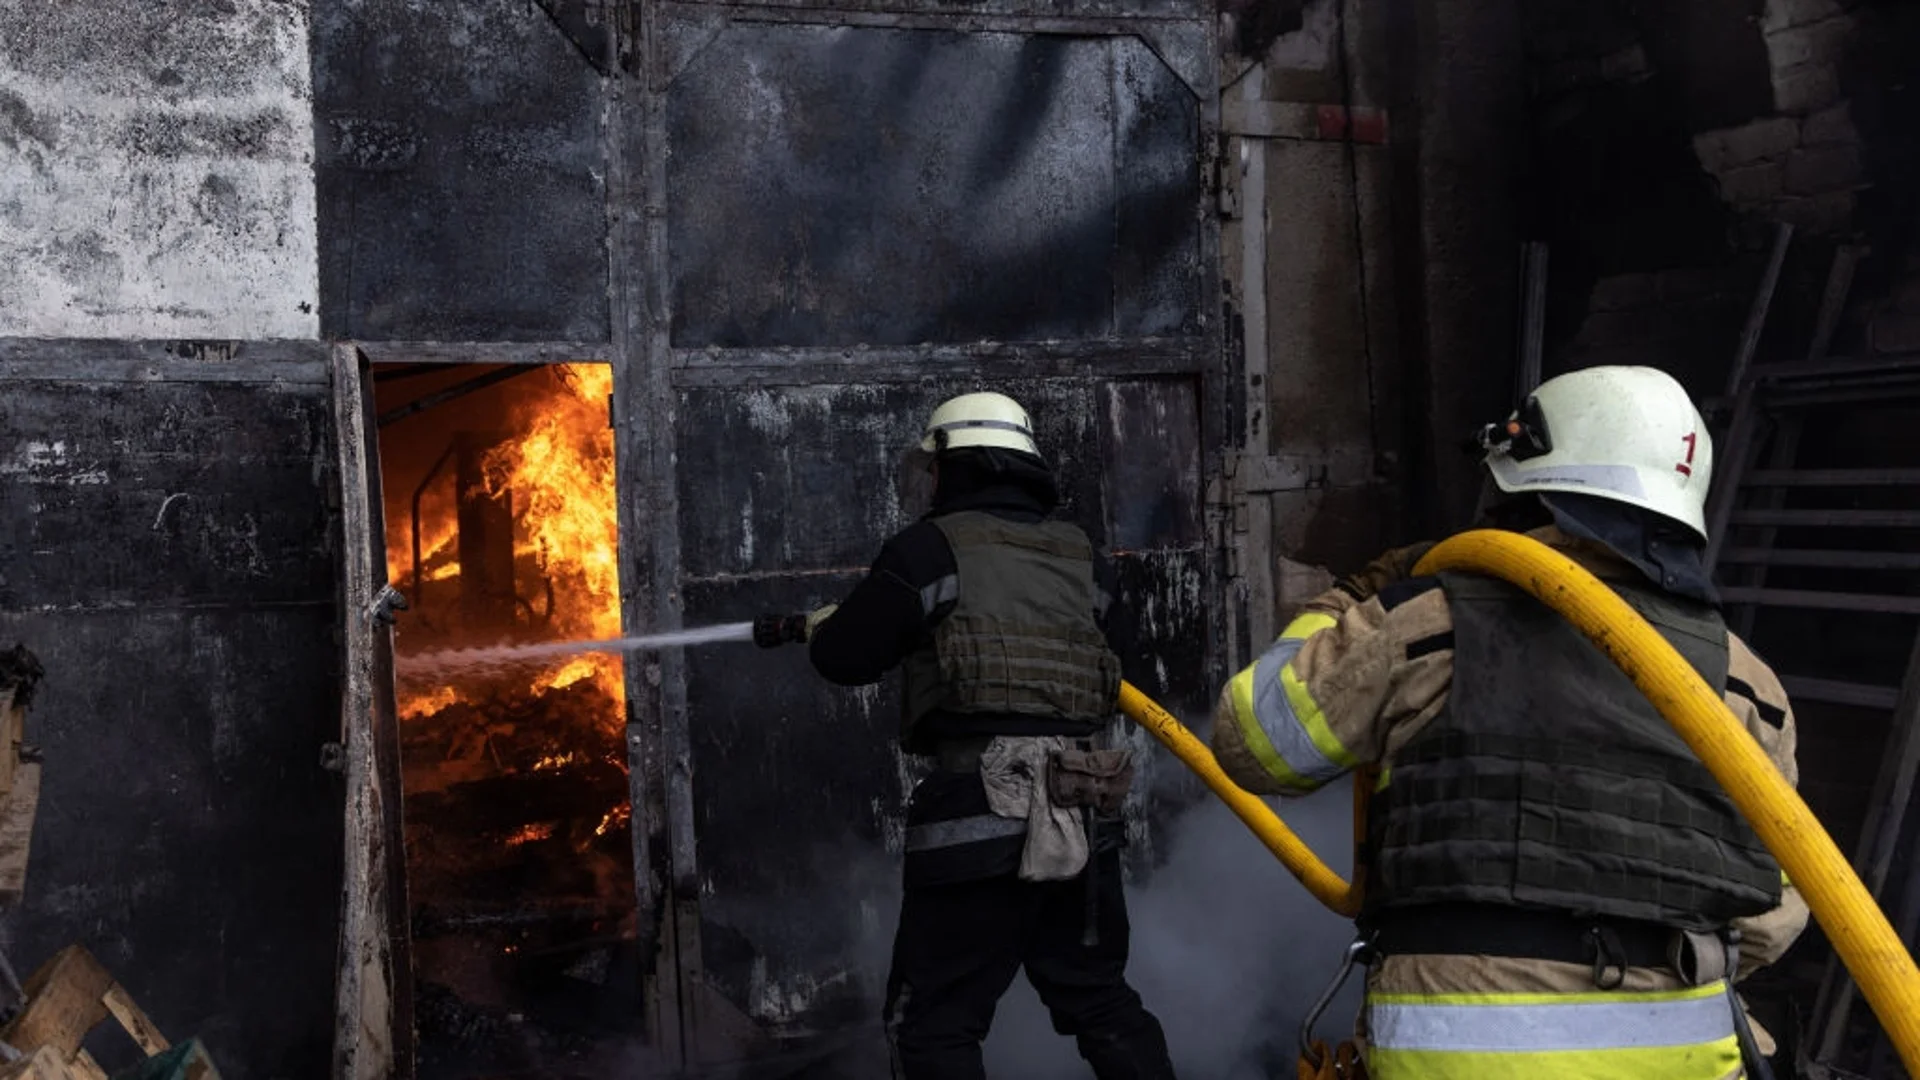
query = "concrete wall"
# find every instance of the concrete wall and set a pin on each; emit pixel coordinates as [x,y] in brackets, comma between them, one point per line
[156,170]
[168,543]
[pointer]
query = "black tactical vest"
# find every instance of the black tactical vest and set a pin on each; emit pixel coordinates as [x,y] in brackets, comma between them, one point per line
[1549,780]
[1021,640]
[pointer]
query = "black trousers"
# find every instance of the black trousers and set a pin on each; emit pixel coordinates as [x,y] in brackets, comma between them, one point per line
[959,946]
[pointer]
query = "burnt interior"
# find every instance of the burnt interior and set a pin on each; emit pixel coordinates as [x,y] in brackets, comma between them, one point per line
[500,509]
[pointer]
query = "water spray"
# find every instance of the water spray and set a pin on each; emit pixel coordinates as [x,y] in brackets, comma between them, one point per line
[498,656]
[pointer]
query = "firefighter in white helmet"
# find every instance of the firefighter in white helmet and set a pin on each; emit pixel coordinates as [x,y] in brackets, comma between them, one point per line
[993,612]
[1556,888]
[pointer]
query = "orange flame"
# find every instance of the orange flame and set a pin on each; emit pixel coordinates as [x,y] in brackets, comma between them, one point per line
[615,818]
[529,833]
[414,706]
[438,533]
[561,477]
[559,470]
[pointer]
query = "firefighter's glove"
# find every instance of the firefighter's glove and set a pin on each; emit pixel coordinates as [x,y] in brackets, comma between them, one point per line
[814,620]
[1395,565]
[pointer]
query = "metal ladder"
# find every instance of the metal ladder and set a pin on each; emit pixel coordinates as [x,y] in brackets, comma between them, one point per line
[1767,409]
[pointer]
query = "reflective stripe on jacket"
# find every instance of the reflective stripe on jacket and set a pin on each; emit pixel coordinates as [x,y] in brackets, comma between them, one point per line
[1279,722]
[1355,682]
[1614,1035]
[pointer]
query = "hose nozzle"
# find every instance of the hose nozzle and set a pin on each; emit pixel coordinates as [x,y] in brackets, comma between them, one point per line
[774,630]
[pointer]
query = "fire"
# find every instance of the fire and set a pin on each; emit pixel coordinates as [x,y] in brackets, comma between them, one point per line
[528,834]
[580,667]
[558,471]
[437,562]
[414,706]
[616,818]
[515,773]
[561,477]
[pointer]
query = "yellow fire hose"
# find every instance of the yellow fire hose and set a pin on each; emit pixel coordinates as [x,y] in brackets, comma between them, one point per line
[1326,886]
[1873,953]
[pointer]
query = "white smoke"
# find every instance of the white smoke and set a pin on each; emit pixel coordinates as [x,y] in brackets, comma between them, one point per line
[1229,951]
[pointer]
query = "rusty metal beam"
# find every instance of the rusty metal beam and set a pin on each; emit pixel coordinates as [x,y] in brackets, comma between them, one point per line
[1306,122]
[1837,692]
[1833,560]
[1824,601]
[451,393]
[486,352]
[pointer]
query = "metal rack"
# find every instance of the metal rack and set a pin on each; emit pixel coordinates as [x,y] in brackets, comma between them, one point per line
[1767,409]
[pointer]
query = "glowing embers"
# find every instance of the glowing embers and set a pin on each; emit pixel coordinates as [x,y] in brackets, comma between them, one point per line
[501,526]
[527,833]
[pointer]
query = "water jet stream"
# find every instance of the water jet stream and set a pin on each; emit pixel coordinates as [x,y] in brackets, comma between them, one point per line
[441,661]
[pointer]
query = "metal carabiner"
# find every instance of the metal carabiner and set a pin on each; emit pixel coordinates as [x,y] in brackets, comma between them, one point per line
[1357,953]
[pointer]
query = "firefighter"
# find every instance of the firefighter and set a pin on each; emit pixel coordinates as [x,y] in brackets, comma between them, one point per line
[994,614]
[1556,887]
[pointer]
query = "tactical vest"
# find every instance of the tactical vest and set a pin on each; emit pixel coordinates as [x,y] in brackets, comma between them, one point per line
[1548,780]
[1021,640]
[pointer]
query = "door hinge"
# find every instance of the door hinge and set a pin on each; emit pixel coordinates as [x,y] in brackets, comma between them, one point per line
[1226,183]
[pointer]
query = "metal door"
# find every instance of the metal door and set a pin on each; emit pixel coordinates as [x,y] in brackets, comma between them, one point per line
[835,218]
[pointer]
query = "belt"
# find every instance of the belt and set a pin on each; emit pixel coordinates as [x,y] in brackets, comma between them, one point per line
[1523,933]
[963,755]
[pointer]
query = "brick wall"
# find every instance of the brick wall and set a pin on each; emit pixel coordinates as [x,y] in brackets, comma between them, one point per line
[1806,163]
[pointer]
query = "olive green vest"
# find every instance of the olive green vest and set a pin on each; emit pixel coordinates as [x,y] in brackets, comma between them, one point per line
[1021,639]
[1549,780]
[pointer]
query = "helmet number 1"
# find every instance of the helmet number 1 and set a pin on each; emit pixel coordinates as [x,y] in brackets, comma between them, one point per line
[1692,439]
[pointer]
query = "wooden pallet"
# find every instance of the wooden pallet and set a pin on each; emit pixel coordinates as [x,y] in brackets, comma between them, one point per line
[66,999]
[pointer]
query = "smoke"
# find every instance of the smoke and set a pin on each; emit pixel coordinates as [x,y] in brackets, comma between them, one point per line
[1228,951]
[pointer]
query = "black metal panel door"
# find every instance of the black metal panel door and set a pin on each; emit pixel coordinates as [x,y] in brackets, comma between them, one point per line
[847,217]
[901,187]
[460,171]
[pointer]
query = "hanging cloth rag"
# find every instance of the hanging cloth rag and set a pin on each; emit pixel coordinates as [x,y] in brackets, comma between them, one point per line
[1014,770]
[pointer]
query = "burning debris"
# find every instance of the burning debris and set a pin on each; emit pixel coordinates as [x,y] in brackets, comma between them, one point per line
[514,773]
[537,500]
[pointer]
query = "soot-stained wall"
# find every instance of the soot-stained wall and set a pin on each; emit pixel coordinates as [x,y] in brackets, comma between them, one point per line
[992,186]
[460,174]
[168,548]
[156,170]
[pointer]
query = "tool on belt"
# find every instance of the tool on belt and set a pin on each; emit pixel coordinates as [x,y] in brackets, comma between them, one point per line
[1093,782]
[1343,1061]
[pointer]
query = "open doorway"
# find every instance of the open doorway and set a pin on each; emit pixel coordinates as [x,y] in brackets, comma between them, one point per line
[500,527]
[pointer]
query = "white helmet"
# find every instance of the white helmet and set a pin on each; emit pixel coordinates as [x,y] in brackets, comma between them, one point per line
[1629,434]
[979,420]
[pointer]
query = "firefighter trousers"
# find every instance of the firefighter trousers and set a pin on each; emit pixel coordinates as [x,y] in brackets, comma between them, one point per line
[959,946]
